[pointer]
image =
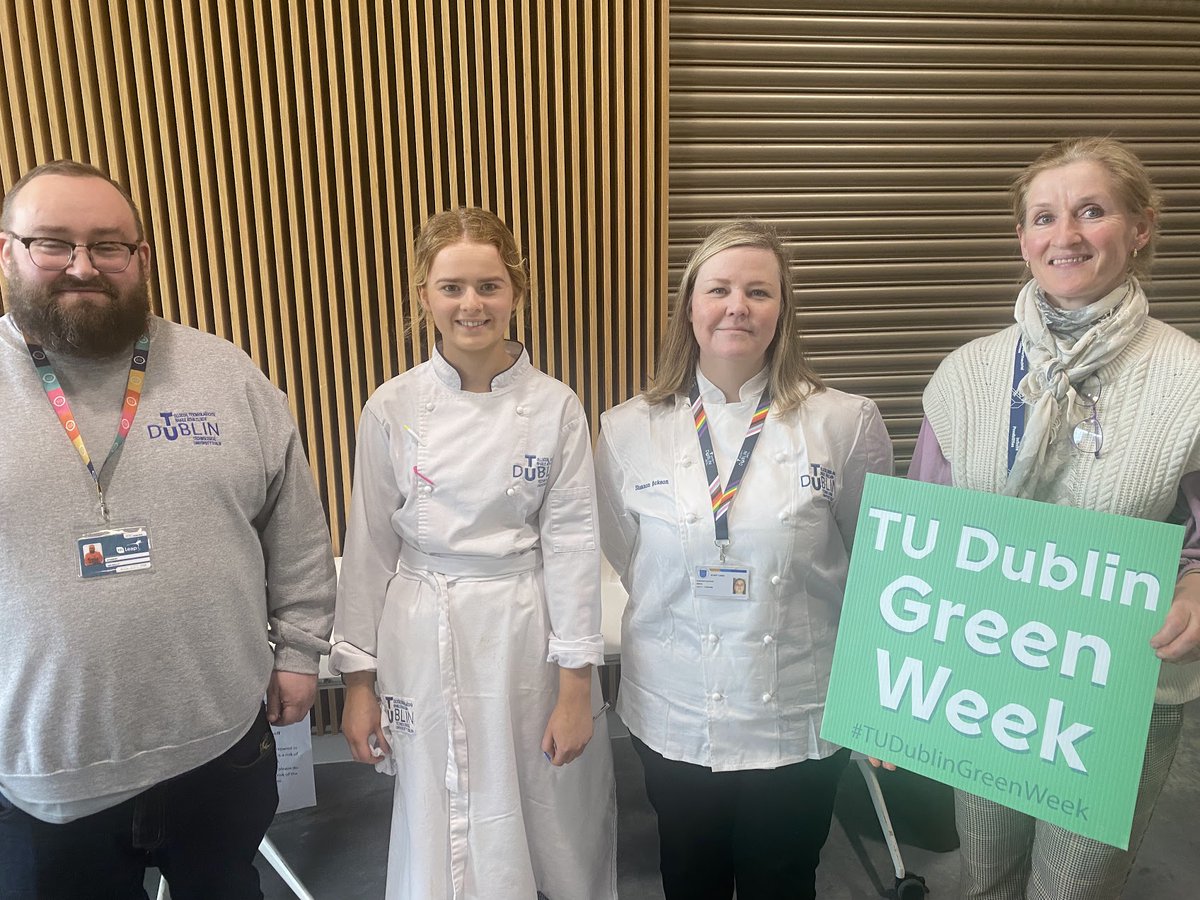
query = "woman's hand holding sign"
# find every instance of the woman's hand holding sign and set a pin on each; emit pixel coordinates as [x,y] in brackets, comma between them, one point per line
[1178,641]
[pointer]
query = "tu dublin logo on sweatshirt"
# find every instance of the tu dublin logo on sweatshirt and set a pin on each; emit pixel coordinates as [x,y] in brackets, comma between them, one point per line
[195,428]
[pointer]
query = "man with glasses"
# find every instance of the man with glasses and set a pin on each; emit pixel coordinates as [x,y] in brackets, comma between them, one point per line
[164,564]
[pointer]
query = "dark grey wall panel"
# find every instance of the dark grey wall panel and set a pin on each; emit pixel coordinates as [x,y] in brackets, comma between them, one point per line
[880,139]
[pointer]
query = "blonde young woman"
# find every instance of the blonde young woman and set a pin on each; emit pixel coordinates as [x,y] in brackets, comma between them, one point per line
[468,616]
[729,495]
[1089,402]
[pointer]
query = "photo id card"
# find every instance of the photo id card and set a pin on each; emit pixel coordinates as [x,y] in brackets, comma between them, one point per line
[113,551]
[722,582]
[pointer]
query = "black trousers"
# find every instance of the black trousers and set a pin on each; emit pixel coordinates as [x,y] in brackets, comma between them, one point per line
[759,830]
[201,829]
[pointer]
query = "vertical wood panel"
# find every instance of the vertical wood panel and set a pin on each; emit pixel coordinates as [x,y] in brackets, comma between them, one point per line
[102,109]
[539,84]
[284,155]
[242,193]
[19,42]
[10,152]
[269,209]
[150,61]
[51,86]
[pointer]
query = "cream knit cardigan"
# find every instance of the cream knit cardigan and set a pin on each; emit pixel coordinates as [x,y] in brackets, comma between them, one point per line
[1149,409]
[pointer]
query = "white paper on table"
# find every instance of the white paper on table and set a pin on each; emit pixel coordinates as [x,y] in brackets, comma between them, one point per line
[294,777]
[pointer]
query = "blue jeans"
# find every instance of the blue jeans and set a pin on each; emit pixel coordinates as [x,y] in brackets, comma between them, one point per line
[201,829]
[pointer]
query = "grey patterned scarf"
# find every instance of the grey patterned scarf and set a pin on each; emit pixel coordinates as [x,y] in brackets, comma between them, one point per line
[1064,347]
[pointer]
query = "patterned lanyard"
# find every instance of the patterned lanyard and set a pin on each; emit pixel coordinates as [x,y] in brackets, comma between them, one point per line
[723,499]
[1016,408]
[129,405]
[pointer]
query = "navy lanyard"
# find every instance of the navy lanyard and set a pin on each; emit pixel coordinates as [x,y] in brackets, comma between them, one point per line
[1016,406]
[723,499]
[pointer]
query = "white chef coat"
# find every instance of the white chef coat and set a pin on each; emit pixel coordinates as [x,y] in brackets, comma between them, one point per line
[733,684]
[471,566]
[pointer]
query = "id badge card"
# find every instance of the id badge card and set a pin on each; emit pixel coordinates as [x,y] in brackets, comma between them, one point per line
[722,582]
[113,551]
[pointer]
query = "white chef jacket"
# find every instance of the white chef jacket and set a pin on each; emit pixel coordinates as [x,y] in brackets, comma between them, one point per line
[471,564]
[477,475]
[733,684]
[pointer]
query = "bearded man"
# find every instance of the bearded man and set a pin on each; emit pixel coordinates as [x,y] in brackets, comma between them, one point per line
[164,564]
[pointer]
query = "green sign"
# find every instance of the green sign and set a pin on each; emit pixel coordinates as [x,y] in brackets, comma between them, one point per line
[1002,646]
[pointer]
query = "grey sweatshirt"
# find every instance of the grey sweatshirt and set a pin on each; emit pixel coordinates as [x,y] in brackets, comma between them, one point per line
[109,685]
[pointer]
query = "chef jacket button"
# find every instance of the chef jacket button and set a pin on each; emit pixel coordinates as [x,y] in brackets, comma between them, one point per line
[783,517]
[511,491]
[690,518]
[685,462]
[775,579]
[426,490]
[714,696]
[429,406]
[520,410]
[780,456]
[712,638]
[766,698]
[768,639]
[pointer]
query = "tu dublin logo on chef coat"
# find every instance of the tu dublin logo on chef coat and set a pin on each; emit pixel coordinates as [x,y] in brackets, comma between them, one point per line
[821,479]
[534,469]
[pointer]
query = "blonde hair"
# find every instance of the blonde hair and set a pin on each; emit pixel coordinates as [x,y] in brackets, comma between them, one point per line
[1130,180]
[788,373]
[471,225]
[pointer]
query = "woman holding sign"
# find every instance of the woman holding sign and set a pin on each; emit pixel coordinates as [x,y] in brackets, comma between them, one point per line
[729,495]
[1089,402]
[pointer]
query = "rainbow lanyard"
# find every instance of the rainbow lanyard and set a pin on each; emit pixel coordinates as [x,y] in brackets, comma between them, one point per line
[723,499]
[129,405]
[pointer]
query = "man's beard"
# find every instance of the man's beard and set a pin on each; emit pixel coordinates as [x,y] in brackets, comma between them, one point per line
[92,329]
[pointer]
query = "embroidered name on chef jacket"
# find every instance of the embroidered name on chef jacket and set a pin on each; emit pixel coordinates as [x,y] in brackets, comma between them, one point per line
[533,469]
[655,482]
[821,479]
[199,429]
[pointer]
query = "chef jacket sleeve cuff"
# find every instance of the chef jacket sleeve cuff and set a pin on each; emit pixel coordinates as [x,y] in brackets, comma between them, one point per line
[345,657]
[588,651]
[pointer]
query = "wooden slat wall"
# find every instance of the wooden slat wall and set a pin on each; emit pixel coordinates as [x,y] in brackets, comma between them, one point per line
[284,154]
[881,142]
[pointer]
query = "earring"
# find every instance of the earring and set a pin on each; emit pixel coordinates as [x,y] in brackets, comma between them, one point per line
[1135,250]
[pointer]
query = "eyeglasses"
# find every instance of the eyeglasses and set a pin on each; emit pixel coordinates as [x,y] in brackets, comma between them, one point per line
[109,257]
[1087,436]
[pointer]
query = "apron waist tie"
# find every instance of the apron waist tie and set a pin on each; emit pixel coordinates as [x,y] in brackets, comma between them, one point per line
[470,566]
[456,741]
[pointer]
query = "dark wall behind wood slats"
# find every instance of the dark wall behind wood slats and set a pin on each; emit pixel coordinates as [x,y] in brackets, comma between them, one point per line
[880,138]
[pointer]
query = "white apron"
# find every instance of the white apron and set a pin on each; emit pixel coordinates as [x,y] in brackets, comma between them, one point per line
[479,812]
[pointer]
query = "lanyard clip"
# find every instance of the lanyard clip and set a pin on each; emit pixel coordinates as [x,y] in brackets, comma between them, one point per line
[103,505]
[721,545]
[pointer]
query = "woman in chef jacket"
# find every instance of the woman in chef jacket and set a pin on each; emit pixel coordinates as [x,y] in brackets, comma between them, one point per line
[468,615]
[729,495]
